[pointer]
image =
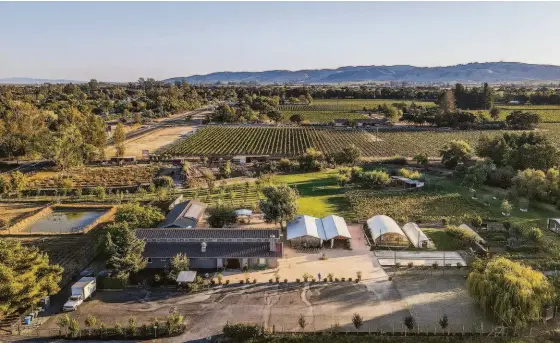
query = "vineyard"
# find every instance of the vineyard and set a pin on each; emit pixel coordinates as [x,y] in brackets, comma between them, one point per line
[323,116]
[414,206]
[293,141]
[240,195]
[274,141]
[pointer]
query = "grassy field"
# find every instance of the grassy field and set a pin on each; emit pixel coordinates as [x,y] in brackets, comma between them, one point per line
[320,195]
[443,240]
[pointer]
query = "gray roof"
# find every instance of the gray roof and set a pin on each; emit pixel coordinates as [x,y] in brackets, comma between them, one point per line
[184,215]
[207,234]
[213,250]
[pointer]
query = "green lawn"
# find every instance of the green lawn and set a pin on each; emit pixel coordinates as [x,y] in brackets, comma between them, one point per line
[319,193]
[443,240]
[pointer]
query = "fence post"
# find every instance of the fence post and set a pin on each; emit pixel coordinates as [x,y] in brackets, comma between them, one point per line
[463,333]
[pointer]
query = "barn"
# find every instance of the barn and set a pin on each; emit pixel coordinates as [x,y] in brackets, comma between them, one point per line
[386,232]
[313,232]
[416,236]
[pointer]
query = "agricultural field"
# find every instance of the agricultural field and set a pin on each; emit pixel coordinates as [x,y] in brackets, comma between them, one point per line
[13,212]
[71,252]
[151,141]
[97,176]
[239,195]
[326,111]
[274,141]
[323,116]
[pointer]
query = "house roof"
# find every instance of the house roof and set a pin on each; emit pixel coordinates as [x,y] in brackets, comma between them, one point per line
[184,215]
[380,225]
[213,250]
[207,234]
[322,228]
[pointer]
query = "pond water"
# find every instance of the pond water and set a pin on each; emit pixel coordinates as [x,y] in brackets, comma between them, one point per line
[64,221]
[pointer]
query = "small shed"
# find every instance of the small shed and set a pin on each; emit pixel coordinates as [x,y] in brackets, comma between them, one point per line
[416,236]
[186,277]
[553,224]
[184,215]
[386,232]
[406,182]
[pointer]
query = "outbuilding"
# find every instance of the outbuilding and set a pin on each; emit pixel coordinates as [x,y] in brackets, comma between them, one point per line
[184,215]
[313,232]
[386,232]
[416,236]
[553,224]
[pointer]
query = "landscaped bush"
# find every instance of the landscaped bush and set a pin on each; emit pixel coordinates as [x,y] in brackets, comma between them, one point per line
[239,333]
[411,174]
[106,282]
[463,234]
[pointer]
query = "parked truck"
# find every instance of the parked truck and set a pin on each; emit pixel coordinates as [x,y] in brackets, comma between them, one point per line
[81,290]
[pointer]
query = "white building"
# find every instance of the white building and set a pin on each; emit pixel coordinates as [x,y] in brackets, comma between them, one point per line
[311,231]
[386,232]
[416,236]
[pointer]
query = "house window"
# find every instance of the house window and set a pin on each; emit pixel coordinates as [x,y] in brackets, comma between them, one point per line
[262,261]
[149,260]
[163,260]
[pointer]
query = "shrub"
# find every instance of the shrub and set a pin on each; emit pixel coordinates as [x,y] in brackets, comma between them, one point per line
[270,281]
[358,274]
[164,182]
[285,280]
[298,280]
[411,174]
[410,264]
[330,276]
[535,234]
[463,234]
[242,332]
[241,281]
[343,279]
[444,322]
[227,282]
[336,280]
[409,322]
[357,320]
[325,280]
[254,281]
[477,222]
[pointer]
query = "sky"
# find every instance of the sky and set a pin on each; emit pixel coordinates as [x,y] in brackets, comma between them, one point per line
[122,41]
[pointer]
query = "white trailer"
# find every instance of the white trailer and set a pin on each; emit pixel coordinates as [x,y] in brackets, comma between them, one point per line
[81,290]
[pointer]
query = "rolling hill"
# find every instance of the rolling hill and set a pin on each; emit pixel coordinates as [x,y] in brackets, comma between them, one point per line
[492,72]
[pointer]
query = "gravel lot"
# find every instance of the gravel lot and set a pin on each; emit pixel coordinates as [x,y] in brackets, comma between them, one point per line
[429,298]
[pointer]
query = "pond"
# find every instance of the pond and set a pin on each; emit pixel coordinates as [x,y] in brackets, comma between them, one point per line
[62,221]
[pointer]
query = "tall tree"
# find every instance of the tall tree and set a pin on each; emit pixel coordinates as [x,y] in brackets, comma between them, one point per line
[124,250]
[26,276]
[454,153]
[279,203]
[511,293]
[119,137]
[447,102]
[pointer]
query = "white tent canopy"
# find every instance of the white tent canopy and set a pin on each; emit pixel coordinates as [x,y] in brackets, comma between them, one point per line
[416,236]
[323,228]
[381,224]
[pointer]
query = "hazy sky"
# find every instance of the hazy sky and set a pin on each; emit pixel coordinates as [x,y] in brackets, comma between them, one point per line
[127,40]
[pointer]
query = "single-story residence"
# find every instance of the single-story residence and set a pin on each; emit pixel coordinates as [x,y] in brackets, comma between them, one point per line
[416,236]
[184,215]
[311,231]
[213,249]
[406,182]
[386,232]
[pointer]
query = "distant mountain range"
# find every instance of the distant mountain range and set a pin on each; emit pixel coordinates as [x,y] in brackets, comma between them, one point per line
[32,81]
[492,72]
